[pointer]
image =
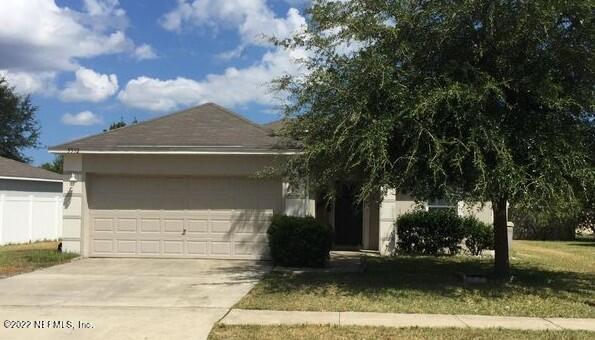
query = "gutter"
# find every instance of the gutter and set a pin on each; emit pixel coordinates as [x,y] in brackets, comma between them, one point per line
[31,179]
[263,152]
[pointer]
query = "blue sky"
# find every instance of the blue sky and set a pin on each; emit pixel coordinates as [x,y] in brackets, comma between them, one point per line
[88,63]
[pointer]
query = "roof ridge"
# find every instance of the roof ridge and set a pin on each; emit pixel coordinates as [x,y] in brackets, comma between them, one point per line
[130,125]
[195,124]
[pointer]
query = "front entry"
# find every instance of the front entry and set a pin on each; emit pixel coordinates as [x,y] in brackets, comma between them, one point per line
[348,218]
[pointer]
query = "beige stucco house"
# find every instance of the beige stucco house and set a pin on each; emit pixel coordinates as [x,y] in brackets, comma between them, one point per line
[186,185]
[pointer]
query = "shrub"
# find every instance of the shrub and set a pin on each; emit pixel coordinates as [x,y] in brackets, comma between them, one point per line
[478,235]
[544,224]
[429,232]
[299,241]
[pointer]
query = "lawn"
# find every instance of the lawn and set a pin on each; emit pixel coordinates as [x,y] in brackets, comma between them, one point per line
[550,279]
[21,258]
[355,332]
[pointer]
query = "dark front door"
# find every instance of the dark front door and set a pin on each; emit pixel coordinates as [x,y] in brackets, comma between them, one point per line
[348,218]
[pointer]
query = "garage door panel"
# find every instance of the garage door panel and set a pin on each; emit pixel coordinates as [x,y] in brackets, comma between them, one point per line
[220,248]
[175,226]
[220,214]
[249,227]
[197,247]
[150,225]
[181,217]
[173,247]
[220,226]
[103,224]
[126,224]
[197,226]
[100,246]
[150,247]
[126,246]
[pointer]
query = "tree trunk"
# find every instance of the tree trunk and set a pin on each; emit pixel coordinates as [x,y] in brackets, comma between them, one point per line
[502,263]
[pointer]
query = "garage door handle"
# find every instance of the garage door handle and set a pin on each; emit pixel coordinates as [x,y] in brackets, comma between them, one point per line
[184,231]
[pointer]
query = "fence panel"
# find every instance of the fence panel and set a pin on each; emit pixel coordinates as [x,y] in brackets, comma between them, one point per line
[30,216]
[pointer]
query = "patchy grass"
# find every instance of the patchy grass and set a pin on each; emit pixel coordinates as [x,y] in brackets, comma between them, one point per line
[550,279]
[359,332]
[570,256]
[21,258]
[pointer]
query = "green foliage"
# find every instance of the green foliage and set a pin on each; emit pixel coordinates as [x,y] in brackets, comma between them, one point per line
[551,279]
[57,165]
[486,100]
[432,232]
[116,125]
[482,100]
[544,224]
[479,236]
[18,127]
[429,232]
[120,124]
[299,241]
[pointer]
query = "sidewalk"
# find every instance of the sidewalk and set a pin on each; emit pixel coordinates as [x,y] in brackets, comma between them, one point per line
[267,317]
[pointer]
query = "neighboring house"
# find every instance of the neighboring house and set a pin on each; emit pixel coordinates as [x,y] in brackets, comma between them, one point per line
[188,185]
[30,203]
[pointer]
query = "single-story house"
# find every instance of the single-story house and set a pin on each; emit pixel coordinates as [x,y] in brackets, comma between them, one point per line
[187,185]
[30,203]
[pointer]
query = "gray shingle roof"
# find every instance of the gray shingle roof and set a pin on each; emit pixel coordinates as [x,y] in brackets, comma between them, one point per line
[275,125]
[208,127]
[12,168]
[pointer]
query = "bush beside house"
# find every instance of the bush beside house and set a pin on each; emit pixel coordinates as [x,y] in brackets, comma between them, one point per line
[544,224]
[428,233]
[479,236]
[441,232]
[299,241]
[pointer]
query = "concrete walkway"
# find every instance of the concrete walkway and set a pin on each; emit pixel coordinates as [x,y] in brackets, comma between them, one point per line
[266,317]
[340,262]
[150,299]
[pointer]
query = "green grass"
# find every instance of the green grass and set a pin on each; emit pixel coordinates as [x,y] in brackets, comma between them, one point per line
[21,258]
[356,332]
[550,279]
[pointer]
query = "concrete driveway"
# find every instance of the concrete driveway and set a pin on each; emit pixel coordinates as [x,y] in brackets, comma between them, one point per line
[124,298]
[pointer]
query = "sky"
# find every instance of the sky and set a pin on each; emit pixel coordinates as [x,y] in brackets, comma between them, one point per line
[88,63]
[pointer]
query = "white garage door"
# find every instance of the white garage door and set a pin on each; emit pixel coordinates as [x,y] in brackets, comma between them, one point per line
[180,217]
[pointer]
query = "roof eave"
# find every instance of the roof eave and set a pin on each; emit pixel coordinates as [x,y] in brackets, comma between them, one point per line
[31,179]
[181,152]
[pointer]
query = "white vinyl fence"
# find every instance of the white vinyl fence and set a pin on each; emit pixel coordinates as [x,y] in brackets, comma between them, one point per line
[30,216]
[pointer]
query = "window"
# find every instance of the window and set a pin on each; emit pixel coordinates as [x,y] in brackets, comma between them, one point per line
[442,205]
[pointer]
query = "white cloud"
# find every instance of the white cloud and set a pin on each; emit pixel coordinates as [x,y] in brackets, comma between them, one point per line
[144,51]
[253,19]
[232,54]
[82,118]
[254,22]
[40,37]
[232,88]
[25,82]
[161,95]
[90,86]
[103,8]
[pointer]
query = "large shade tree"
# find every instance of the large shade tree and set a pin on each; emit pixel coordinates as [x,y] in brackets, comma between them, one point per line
[18,126]
[480,100]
